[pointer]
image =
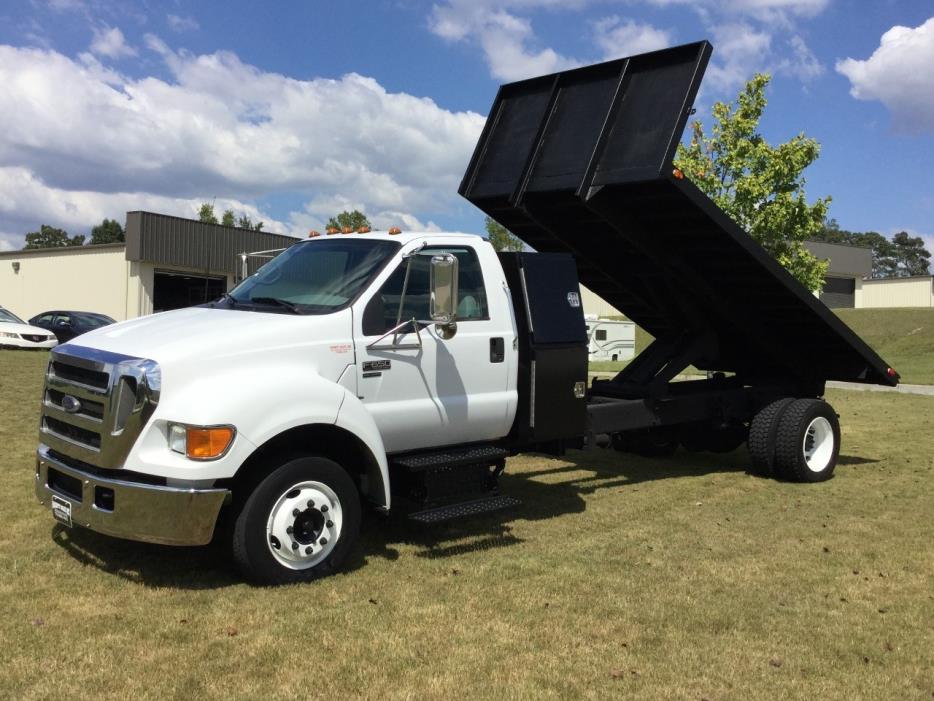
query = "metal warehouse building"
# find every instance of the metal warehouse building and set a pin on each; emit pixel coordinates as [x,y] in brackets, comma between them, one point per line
[166,263]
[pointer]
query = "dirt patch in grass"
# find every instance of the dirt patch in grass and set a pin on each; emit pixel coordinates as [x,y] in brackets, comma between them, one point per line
[677,578]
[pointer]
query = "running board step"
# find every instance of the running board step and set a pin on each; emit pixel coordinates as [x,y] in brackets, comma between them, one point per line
[485,454]
[464,509]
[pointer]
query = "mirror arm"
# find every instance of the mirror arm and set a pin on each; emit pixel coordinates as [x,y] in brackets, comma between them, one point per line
[394,332]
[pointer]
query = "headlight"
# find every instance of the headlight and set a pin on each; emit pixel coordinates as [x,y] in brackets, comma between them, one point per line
[7,334]
[200,442]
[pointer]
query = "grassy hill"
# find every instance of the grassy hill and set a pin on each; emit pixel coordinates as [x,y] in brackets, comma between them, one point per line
[903,337]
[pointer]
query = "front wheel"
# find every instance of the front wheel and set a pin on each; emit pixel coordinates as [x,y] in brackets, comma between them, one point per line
[299,523]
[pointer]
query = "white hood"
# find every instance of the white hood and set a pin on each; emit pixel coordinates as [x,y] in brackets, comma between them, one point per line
[13,327]
[199,334]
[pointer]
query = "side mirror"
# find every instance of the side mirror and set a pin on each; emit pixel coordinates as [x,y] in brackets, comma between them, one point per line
[443,303]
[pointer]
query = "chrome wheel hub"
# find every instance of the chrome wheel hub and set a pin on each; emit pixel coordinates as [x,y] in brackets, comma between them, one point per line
[304,525]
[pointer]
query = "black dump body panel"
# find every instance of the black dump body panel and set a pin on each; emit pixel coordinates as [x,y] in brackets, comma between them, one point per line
[581,162]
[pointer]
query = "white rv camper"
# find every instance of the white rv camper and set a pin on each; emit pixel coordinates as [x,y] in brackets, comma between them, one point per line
[610,339]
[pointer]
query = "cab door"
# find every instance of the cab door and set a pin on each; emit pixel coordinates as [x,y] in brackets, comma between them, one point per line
[423,390]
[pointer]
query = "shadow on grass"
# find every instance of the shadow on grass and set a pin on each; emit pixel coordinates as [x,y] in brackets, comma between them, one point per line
[555,489]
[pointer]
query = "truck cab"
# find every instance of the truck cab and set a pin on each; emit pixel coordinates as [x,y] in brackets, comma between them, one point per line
[337,351]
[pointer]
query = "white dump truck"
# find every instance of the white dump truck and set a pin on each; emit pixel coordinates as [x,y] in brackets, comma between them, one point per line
[398,371]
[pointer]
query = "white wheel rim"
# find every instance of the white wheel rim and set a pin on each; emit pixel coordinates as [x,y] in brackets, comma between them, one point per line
[304,525]
[818,444]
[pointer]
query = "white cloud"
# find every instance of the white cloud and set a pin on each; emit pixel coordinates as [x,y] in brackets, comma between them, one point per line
[743,32]
[506,39]
[26,202]
[618,37]
[79,141]
[109,42]
[898,74]
[741,51]
[182,24]
[802,62]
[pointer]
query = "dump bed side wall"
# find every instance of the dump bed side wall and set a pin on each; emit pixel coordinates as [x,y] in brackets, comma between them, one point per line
[580,162]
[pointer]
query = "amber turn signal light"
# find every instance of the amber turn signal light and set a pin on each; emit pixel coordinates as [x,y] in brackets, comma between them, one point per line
[208,443]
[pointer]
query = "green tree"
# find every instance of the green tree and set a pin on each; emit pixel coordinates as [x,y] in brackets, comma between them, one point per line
[244,222]
[206,214]
[227,218]
[911,257]
[760,186]
[501,238]
[108,231]
[901,256]
[50,237]
[354,220]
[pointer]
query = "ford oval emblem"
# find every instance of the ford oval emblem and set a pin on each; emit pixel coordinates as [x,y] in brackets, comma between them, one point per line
[71,404]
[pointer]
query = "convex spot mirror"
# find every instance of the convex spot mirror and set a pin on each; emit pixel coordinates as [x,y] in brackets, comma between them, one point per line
[443,303]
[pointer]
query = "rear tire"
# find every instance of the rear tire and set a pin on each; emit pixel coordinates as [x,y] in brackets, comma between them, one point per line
[808,441]
[298,524]
[762,433]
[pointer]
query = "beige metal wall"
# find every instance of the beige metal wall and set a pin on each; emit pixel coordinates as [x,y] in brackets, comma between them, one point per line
[898,292]
[89,278]
[596,305]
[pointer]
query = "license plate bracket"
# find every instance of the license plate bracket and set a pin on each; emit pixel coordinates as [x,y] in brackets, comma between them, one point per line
[61,510]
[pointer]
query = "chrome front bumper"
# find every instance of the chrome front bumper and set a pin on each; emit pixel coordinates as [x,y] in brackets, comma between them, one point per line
[150,513]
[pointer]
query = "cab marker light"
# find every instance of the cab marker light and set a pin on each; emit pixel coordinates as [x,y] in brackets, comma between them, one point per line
[394,230]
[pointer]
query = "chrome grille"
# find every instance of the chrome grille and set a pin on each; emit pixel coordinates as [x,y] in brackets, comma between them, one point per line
[96,404]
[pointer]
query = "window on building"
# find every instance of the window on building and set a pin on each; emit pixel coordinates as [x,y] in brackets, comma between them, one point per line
[601,334]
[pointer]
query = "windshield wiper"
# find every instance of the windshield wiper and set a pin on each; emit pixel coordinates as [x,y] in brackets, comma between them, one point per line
[292,307]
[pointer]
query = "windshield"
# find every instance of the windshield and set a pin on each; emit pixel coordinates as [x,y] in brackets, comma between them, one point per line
[316,277]
[10,316]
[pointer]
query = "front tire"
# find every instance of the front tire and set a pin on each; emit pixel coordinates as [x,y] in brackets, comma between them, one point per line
[298,524]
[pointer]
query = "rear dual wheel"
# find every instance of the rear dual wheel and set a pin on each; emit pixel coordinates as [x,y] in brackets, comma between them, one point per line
[796,440]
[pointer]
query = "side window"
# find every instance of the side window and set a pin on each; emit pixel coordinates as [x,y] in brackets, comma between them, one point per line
[601,334]
[44,320]
[383,309]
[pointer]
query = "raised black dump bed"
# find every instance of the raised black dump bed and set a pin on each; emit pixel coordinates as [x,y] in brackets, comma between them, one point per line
[581,162]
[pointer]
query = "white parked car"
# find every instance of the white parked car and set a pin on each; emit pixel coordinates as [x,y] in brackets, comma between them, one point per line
[16,333]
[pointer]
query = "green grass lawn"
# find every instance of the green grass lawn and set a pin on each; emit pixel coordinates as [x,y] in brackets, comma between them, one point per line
[903,337]
[682,578]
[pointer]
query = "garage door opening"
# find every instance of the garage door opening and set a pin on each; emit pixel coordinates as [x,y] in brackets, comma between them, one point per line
[173,290]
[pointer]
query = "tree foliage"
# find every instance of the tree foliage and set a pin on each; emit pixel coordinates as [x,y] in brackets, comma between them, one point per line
[901,256]
[354,220]
[501,238]
[50,237]
[760,186]
[206,215]
[108,231]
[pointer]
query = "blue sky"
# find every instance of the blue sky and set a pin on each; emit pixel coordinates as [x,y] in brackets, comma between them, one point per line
[290,112]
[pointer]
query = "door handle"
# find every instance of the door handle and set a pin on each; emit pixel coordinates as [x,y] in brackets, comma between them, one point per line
[497,350]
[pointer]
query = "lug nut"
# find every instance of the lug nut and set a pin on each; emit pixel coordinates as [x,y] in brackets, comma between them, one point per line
[330,524]
[323,541]
[288,530]
[295,512]
[308,550]
[294,546]
[311,504]
[324,509]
